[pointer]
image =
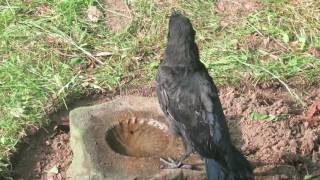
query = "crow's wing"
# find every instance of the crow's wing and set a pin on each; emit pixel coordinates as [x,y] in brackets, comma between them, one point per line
[164,78]
[194,104]
[212,113]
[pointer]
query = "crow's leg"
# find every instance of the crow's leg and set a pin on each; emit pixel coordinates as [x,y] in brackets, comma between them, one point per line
[173,164]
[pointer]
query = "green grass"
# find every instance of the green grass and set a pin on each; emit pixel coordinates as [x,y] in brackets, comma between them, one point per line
[40,53]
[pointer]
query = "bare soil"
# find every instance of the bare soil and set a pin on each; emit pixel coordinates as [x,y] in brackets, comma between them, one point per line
[284,149]
[48,147]
[233,10]
[255,41]
[118,15]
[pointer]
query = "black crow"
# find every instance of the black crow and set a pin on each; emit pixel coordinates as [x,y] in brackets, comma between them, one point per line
[190,101]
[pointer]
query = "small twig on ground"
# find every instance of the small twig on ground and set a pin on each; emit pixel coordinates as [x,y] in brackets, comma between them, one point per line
[70,40]
[9,6]
[257,30]
[280,44]
[65,55]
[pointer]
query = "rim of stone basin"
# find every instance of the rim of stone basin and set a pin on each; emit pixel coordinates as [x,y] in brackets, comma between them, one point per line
[95,158]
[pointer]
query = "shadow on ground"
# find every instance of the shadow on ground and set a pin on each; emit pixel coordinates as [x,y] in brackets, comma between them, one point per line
[282,149]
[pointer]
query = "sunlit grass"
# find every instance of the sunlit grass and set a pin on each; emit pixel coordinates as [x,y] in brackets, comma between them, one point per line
[40,52]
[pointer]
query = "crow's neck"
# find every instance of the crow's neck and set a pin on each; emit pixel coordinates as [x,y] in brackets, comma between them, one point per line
[182,54]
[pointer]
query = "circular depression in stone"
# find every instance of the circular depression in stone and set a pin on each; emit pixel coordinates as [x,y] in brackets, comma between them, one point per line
[138,138]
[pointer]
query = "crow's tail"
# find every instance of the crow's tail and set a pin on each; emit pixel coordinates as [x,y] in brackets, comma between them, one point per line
[237,167]
[238,164]
[216,172]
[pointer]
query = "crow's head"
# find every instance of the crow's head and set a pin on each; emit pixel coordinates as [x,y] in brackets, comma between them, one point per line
[180,28]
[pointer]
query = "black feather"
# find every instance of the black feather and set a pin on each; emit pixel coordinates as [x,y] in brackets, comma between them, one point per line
[190,100]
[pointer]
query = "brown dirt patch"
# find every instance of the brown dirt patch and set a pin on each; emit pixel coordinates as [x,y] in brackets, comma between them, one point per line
[146,90]
[255,41]
[233,10]
[285,149]
[47,149]
[118,14]
[42,9]
[314,51]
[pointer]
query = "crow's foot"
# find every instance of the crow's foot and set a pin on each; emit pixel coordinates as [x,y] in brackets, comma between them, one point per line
[173,164]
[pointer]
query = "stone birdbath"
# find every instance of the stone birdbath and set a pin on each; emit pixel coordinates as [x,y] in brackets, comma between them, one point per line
[124,139]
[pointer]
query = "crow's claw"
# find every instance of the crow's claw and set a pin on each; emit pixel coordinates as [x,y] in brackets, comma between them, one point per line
[170,163]
[173,164]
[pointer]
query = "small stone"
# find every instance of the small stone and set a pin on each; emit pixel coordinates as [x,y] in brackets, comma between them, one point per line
[293,146]
[284,176]
[59,177]
[51,177]
[306,124]
[47,142]
[94,13]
